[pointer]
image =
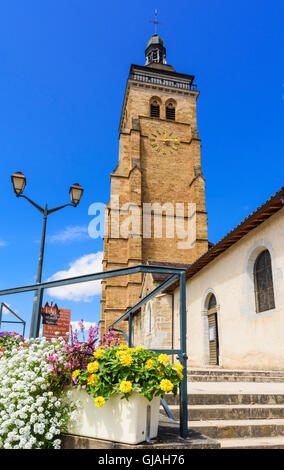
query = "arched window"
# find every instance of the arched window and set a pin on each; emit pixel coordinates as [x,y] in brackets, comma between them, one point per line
[212,302]
[155,108]
[155,56]
[170,112]
[263,282]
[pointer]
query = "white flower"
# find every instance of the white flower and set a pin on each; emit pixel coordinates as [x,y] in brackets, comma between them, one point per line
[57,443]
[30,415]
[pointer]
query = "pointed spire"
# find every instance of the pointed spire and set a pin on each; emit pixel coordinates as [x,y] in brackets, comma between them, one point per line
[155,51]
[156,22]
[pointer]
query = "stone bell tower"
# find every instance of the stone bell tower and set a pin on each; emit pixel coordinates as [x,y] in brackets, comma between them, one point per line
[159,164]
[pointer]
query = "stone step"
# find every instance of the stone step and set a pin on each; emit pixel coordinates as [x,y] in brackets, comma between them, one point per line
[236,372]
[228,399]
[229,429]
[276,442]
[230,412]
[234,378]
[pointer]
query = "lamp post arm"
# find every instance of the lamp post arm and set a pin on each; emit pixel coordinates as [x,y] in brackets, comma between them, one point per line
[32,202]
[50,211]
[35,323]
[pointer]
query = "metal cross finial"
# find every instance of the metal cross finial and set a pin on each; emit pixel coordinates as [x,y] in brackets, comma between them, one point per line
[155,21]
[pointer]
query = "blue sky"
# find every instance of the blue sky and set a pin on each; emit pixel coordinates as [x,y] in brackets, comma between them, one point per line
[64,66]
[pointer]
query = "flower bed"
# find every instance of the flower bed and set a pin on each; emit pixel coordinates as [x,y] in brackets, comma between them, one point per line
[36,375]
[123,383]
[32,410]
[118,420]
[124,370]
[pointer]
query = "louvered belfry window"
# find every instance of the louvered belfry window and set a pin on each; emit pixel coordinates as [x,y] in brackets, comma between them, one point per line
[170,112]
[263,282]
[155,109]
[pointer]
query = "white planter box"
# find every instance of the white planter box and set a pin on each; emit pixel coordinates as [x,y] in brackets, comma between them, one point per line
[118,420]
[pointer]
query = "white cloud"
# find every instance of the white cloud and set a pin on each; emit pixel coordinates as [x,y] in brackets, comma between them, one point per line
[69,234]
[87,325]
[5,311]
[87,264]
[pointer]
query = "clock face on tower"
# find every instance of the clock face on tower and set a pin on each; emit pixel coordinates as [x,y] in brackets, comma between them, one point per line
[164,142]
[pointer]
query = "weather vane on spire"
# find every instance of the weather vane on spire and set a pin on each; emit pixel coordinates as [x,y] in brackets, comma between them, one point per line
[155,21]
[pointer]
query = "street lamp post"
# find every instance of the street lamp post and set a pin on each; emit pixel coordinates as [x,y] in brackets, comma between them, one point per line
[76,191]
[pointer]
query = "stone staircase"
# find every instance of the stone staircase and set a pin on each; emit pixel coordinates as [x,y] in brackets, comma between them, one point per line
[228,375]
[246,412]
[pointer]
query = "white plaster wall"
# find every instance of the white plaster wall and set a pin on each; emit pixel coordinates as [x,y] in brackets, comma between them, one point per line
[246,339]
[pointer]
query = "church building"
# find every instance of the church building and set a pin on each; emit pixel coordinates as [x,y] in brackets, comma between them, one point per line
[235,294]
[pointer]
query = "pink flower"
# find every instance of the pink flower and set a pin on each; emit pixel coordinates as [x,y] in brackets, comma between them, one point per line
[52,359]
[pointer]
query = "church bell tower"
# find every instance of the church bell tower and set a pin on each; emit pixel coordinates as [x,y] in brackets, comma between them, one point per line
[159,164]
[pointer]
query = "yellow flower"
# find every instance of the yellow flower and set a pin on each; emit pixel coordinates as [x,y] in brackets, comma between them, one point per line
[92,379]
[179,374]
[125,386]
[99,402]
[120,353]
[140,348]
[98,354]
[131,350]
[126,360]
[178,367]
[163,359]
[149,364]
[76,372]
[93,367]
[123,346]
[166,385]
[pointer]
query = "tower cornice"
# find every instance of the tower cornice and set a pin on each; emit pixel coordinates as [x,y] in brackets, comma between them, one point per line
[153,77]
[159,69]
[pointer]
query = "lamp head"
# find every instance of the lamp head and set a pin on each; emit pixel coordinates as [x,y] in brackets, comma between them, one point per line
[19,182]
[75,192]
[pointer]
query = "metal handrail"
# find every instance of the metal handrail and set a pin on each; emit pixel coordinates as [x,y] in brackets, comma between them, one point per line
[162,400]
[13,313]
[176,273]
[181,353]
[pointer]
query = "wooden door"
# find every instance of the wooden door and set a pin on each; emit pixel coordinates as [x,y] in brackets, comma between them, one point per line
[213,339]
